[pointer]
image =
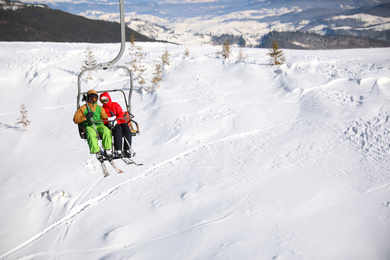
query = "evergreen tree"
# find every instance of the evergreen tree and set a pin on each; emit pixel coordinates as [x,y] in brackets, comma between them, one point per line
[89,61]
[165,58]
[242,55]
[136,61]
[276,54]
[157,74]
[23,120]
[187,53]
[132,51]
[226,50]
[141,67]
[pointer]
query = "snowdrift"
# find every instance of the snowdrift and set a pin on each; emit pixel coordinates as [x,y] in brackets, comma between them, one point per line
[241,160]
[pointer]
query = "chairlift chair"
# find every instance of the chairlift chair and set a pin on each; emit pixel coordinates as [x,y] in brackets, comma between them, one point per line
[81,96]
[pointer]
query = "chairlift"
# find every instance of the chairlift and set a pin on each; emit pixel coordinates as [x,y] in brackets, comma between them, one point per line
[82,96]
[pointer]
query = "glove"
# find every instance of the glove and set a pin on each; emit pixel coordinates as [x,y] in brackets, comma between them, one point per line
[89,116]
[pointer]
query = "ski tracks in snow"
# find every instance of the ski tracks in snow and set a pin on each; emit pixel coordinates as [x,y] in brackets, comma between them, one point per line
[371,137]
[78,207]
[72,213]
[65,228]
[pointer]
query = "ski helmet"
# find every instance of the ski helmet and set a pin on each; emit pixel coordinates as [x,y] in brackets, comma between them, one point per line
[92,96]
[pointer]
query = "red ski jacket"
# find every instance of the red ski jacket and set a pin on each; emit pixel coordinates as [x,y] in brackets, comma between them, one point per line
[113,108]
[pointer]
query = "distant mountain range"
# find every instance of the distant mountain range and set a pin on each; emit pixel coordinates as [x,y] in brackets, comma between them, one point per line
[175,9]
[298,24]
[370,25]
[26,22]
[327,24]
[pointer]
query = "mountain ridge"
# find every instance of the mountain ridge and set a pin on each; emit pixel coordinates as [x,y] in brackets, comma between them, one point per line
[363,23]
[365,27]
[41,23]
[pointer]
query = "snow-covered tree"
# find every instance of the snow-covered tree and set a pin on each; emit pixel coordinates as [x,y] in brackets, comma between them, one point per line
[165,58]
[157,74]
[136,61]
[242,55]
[89,61]
[132,51]
[23,120]
[141,67]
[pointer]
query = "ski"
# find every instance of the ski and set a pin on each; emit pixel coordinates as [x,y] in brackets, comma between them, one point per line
[129,161]
[116,168]
[126,160]
[99,156]
[104,168]
[134,162]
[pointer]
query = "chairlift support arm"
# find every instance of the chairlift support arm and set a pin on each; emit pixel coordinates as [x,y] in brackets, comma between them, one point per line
[110,64]
[107,65]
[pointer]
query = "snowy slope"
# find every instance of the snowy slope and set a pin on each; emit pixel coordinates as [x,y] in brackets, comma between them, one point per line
[251,25]
[241,160]
[200,22]
[198,30]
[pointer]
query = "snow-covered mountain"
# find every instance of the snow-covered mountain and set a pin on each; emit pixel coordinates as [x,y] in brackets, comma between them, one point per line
[8,5]
[241,160]
[202,22]
[197,8]
[252,25]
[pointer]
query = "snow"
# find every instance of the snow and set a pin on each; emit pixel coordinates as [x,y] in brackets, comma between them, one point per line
[241,160]
[198,30]
[369,20]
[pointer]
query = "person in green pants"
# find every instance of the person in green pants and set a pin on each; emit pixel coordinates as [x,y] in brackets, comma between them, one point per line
[93,112]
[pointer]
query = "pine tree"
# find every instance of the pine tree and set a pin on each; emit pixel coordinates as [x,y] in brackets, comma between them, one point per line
[276,54]
[157,74]
[132,51]
[89,61]
[141,68]
[186,53]
[23,120]
[165,58]
[226,50]
[242,55]
[136,61]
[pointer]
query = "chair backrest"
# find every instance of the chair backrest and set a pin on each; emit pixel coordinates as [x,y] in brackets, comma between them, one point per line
[130,122]
[82,132]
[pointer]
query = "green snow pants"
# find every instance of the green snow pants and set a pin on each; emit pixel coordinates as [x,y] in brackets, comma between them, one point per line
[92,140]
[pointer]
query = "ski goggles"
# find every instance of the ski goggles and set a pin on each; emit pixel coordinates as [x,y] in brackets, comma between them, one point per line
[104,100]
[92,98]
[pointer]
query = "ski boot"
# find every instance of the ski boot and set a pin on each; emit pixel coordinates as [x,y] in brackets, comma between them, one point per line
[99,156]
[118,154]
[108,155]
[127,153]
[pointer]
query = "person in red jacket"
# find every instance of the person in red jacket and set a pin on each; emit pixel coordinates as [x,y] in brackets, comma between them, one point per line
[121,128]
